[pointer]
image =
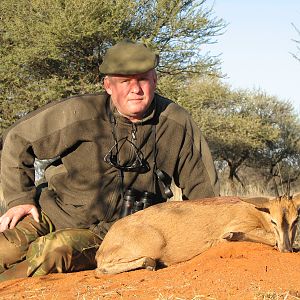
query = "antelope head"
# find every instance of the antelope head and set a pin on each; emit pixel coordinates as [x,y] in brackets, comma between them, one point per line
[283,213]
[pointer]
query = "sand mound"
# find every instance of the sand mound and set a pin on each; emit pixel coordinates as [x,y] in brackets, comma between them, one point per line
[228,271]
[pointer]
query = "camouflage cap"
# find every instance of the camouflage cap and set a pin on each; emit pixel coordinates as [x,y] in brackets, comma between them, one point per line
[128,58]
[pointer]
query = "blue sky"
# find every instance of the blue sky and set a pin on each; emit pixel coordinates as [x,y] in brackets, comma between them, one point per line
[257,45]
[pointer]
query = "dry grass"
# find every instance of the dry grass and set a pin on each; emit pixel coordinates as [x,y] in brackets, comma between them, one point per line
[253,189]
[290,295]
[172,297]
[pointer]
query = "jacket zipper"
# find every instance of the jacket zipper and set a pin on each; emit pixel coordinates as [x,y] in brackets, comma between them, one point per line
[117,191]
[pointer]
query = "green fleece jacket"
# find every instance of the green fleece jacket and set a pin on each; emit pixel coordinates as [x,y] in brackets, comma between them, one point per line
[84,190]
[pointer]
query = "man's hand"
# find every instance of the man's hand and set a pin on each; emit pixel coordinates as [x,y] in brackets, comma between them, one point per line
[14,214]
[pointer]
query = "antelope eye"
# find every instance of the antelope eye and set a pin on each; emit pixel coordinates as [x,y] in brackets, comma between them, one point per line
[273,222]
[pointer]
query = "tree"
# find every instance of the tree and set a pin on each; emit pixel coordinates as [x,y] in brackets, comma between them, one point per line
[226,117]
[297,42]
[52,48]
[245,128]
[280,157]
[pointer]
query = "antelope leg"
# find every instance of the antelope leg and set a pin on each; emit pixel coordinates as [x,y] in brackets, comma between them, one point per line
[115,268]
[249,237]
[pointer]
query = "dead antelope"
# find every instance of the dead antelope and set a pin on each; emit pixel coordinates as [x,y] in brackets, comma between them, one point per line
[174,232]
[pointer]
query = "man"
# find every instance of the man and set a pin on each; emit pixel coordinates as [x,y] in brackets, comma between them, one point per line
[107,145]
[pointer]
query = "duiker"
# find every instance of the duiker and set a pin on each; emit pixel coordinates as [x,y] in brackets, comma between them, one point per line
[173,232]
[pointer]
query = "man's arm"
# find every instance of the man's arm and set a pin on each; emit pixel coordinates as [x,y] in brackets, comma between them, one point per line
[46,133]
[196,173]
[40,134]
[17,169]
[30,137]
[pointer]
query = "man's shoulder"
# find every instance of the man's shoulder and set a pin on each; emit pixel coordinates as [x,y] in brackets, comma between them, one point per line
[100,95]
[63,112]
[171,110]
[84,99]
[78,105]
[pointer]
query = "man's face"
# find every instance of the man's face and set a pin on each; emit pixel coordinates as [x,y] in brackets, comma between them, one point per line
[131,94]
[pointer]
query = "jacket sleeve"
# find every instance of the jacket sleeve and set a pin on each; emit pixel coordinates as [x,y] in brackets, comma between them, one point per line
[195,172]
[27,139]
[44,134]
[17,171]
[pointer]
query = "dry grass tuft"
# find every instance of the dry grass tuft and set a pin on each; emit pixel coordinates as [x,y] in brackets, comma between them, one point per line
[289,295]
[172,297]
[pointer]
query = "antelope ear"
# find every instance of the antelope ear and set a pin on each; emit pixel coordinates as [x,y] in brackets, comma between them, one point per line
[261,203]
[296,200]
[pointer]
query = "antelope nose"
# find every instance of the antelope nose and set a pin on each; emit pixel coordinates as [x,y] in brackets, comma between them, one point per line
[286,249]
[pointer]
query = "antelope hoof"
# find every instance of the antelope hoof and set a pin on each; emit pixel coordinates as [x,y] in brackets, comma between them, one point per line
[233,236]
[149,264]
[99,272]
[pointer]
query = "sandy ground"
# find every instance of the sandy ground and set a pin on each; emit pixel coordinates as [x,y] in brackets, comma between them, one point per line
[228,271]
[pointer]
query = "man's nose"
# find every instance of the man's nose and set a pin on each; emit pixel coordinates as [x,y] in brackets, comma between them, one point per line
[135,86]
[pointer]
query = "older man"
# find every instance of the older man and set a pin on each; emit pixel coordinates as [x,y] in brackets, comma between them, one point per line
[111,150]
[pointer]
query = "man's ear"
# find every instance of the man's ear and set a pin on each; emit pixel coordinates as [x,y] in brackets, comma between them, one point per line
[107,85]
[261,203]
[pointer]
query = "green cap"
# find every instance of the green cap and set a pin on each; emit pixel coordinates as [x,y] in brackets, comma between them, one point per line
[128,58]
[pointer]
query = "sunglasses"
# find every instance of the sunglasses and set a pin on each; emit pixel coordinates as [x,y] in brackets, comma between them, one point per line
[137,164]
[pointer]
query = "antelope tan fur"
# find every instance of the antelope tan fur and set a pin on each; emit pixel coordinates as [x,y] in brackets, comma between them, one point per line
[174,232]
[1,192]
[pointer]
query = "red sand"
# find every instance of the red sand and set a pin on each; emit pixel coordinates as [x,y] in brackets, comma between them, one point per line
[228,271]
